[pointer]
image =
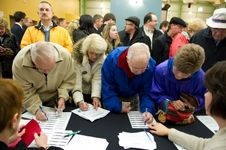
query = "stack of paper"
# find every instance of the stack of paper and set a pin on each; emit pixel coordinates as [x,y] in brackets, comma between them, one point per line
[136,120]
[87,143]
[141,140]
[91,114]
[209,122]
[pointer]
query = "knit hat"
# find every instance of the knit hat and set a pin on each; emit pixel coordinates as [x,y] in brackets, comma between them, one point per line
[134,20]
[178,21]
[218,20]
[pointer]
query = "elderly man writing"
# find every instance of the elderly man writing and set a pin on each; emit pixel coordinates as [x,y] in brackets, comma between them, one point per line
[46,72]
[126,78]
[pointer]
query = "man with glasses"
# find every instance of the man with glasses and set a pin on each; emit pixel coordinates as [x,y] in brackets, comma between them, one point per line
[126,78]
[213,38]
[46,72]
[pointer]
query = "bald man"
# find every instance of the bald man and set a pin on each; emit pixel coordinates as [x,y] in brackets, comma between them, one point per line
[126,77]
[46,73]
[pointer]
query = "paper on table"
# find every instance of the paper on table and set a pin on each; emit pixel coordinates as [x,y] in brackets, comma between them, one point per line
[137,140]
[91,114]
[87,143]
[56,138]
[209,122]
[136,120]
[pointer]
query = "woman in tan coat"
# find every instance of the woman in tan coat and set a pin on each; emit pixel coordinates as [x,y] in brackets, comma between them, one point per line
[89,54]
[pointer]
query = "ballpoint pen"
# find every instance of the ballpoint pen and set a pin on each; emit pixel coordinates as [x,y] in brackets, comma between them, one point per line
[40,108]
[146,110]
[73,133]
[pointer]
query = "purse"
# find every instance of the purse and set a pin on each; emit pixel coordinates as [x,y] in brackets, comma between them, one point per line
[168,114]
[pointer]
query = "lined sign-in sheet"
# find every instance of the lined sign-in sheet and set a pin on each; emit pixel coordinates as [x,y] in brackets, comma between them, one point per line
[136,120]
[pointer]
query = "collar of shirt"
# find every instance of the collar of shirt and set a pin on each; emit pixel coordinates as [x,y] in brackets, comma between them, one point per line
[19,25]
[48,28]
[122,63]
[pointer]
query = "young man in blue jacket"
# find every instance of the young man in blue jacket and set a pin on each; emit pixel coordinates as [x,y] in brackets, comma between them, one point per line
[126,77]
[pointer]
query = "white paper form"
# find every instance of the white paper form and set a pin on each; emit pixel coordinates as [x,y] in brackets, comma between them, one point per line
[136,120]
[141,140]
[91,114]
[56,138]
[82,142]
[209,122]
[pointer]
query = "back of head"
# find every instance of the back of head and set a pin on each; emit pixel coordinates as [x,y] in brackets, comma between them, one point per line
[189,58]
[86,22]
[148,17]
[164,24]
[139,52]
[19,15]
[96,17]
[43,52]
[215,82]
[109,16]
[95,43]
[195,25]
[11,97]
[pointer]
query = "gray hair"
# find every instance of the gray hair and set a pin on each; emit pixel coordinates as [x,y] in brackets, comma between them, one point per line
[43,51]
[138,49]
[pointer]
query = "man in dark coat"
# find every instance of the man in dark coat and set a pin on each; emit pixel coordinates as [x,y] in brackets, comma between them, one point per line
[213,38]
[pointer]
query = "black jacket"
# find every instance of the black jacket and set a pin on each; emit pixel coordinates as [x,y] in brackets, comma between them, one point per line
[160,49]
[156,34]
[213,52]
[18,32]
[139,36]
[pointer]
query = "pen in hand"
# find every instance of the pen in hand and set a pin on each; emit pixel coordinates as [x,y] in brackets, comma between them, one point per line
[40,108]
[73,133]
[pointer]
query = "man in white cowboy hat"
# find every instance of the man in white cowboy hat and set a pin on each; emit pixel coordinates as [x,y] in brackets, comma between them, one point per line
[213,38]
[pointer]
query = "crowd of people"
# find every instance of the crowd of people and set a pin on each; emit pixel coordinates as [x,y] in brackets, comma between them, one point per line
[162,73]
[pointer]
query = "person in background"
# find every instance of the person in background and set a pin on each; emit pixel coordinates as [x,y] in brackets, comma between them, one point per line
[11,97]
[108,18]
[97,22]
[213,38]
[55,19]
[46,30]
[194,25]
[110,34]
[164,26]
[126,80]
[85,28]
[46,72]
[27,23]
[149,27]
[73,25]
[215,104]
[89,57]
[62,22]
[161,45]
[8,50]
[132,33]
[180,75]
[17,28]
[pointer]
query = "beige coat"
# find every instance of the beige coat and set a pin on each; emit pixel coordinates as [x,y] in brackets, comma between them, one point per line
[39,88]
[88,79]
[190,142]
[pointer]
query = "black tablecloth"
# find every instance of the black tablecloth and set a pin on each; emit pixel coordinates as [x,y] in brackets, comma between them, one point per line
[110,126]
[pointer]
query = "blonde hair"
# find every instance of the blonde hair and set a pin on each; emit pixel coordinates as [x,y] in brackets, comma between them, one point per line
[189,58]
[195,25]
[93,43]
[106,35]
[3,23]
[74,24]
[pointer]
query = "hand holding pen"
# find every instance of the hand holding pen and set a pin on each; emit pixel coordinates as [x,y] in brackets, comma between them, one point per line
[148,118]
[41,115]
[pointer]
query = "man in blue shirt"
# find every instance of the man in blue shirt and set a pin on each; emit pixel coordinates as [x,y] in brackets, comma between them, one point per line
[127,74]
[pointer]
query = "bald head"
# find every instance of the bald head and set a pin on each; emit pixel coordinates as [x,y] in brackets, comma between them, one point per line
[138,57]
[43,55]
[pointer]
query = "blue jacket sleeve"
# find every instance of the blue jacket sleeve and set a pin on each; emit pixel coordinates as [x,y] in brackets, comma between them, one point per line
[158,89]
[109,95]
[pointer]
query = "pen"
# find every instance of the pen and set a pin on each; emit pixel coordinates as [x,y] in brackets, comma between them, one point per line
[73,133]
[40,107]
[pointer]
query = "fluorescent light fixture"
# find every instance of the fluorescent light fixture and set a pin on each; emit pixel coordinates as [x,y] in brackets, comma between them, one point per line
[200,9]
